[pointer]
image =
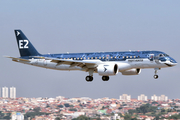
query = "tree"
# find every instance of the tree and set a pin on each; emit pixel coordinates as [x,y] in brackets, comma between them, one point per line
[131,112]
[120,108]
[163,110]
[66,105]
[60,106]
[58,118]
[72,109]
[37,109]
[144,109]
[154,102]
[169,110]
[82,117]
[127,117]
[175,117]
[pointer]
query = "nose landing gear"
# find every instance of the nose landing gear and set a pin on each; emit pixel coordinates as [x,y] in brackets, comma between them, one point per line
[156,70]
[156,76]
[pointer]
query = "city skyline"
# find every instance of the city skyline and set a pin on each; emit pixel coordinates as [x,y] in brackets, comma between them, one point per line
[10,92]
[69,108]
[90,26]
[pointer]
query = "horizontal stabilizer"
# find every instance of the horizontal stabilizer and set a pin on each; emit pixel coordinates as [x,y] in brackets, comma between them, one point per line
[17,59]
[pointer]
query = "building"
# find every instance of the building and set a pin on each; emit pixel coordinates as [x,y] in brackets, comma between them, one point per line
[4,92]
[142,97]
[159,98]
[17,116]
[125,97]
[163,98]
[154,98]
[12,92]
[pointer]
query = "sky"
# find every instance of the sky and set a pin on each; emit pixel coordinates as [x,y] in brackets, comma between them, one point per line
[60,26]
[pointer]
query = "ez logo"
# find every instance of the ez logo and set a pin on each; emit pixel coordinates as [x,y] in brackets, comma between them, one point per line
[25,45]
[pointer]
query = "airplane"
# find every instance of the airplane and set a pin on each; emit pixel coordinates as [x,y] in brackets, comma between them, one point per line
[104,63]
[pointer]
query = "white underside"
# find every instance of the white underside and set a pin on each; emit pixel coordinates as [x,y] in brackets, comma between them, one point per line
[122,65]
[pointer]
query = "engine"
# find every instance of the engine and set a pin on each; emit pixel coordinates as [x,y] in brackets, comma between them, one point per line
[132,72]
[107,69]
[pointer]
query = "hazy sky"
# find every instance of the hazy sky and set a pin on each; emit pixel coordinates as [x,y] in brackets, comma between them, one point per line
[58,26]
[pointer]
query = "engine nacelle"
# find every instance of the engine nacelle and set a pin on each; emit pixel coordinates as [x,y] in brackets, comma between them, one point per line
[132,72]
[107,69]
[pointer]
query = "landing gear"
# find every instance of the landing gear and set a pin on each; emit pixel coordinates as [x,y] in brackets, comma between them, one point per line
[105,78]
[89,78]
[155,76]
[156,70]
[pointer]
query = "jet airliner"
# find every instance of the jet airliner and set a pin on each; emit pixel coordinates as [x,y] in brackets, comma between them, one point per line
[104,63]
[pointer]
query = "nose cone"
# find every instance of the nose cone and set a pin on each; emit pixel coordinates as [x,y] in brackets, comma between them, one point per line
[171,62]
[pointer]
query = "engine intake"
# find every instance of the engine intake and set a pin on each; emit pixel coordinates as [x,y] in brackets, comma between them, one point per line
[107,69]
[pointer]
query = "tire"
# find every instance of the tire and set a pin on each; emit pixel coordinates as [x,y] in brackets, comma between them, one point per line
[156,76]
[105,78]
[89,78]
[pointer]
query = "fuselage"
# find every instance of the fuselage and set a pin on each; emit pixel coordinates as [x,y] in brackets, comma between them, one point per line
[127,59]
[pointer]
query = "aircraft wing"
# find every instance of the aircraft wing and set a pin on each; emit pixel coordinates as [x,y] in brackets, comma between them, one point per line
[84,64]
[17,59]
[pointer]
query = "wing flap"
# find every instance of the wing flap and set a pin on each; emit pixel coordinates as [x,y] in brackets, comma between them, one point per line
[72,63]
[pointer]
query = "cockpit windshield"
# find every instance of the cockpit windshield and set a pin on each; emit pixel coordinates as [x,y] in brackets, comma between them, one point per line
[166,55]
[163,55]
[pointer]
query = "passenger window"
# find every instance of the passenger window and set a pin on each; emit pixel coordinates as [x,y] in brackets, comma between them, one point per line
[126,56]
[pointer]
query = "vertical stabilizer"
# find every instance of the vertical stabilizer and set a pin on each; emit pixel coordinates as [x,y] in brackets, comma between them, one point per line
[24,45]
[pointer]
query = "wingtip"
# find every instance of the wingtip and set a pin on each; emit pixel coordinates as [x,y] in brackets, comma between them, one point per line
[6,56]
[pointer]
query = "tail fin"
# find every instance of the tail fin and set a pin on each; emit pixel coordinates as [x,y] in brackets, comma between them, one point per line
[24,45]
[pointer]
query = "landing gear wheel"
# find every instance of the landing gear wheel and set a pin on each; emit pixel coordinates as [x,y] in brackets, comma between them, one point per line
[105,78]
[89,78]
[156,76]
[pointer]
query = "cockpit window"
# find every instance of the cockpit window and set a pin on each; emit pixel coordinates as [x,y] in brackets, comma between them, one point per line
[166,55]
[161,55]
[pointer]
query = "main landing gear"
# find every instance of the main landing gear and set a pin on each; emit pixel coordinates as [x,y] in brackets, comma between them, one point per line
[90,77]
[156,70]
[105,78]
